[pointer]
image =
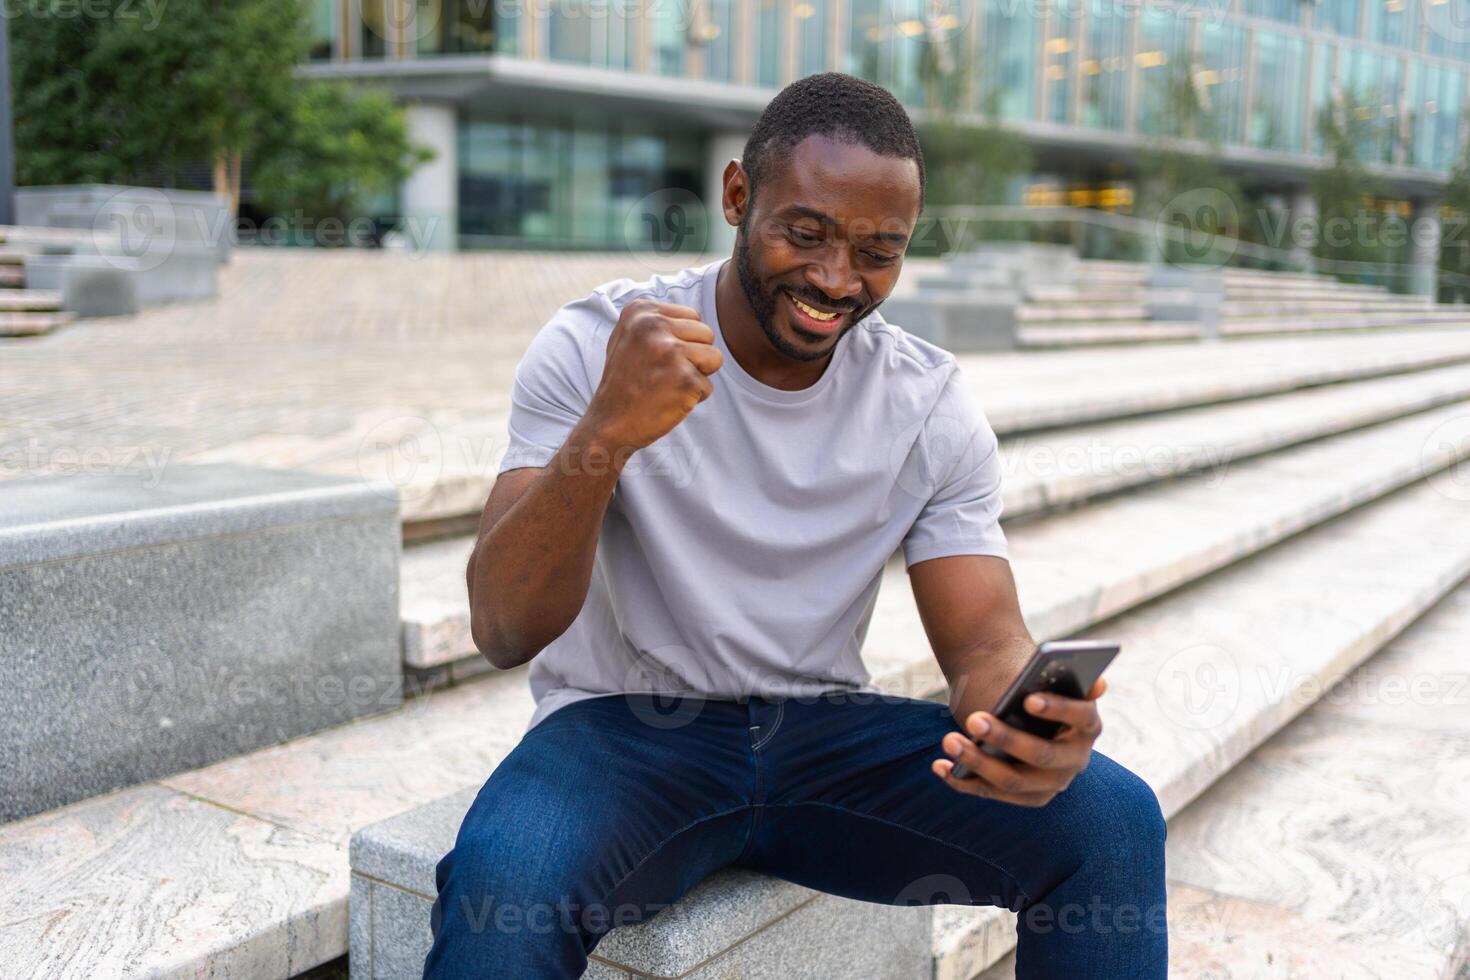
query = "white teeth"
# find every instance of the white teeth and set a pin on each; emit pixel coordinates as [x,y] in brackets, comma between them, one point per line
[814,314]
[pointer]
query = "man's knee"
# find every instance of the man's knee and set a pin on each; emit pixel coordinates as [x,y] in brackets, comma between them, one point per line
[1113,814]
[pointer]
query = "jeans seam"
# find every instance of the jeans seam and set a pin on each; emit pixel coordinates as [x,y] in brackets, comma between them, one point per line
[780,714]
[917,833]
[663,843]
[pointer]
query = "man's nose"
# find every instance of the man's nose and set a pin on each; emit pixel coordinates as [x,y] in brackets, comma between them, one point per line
[834,275]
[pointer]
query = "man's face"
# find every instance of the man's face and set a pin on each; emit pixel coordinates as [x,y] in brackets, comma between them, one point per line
[822,244]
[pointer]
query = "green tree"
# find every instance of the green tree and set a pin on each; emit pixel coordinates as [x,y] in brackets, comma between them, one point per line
[128,97]
[196,84]
[1345,190]
[1454,253]
[337,147]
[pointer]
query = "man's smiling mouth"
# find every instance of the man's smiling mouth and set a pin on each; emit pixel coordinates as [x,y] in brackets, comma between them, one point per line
[814,313]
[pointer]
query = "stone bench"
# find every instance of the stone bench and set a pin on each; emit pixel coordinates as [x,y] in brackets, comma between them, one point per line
[960,322]
[1188,293]
[153,622]
[706,935]
[1035,264]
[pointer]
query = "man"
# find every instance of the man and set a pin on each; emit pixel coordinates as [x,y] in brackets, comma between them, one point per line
[707,473]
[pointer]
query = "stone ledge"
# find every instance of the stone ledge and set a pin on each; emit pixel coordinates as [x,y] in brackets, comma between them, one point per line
[151,627]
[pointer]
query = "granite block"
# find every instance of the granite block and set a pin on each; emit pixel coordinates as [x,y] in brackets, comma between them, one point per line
[155,623]
[735,924]
[403,850]
[147,882]
[959,322]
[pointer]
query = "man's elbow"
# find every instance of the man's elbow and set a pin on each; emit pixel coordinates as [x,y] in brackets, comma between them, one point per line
[497,648]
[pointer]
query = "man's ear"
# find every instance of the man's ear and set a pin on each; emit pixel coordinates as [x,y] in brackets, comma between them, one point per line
[736,197]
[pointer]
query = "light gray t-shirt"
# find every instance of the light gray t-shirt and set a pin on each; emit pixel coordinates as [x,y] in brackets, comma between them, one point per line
[741,553]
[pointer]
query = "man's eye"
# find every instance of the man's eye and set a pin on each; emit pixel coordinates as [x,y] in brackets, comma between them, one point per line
[881,259]
[805,237]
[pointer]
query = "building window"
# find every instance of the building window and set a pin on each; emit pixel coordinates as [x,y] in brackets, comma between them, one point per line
[1339,16]
[1008,63]
[1449,31]
[1166,92]
[670,37]
[1435,113]
[375,29]
[565,183]
[1286,11]
[1393,22]
[455,26]
[866,33]
[1104,68]
[1220,82]
[1061,54]
[591,32]
[1280,80]
[1369,83]
[323,20]
[769,70]
[715,33]
[811,36]
[1324,94]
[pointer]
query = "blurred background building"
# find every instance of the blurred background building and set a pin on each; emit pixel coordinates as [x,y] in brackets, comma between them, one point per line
[552,118]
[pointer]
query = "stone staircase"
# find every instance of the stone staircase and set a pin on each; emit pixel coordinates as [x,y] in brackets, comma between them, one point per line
[26,312]
[1106,307]
[1255,521]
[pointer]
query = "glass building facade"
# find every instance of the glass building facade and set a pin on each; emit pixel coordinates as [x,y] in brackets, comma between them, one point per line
[1257,76]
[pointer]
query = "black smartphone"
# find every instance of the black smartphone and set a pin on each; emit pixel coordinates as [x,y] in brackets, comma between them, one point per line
[1065,667]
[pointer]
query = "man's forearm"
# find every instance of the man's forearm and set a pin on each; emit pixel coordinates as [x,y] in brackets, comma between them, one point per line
[530,572]
[986,673]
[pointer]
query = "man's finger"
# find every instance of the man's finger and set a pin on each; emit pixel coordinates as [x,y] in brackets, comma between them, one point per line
[1078,715]
[690,329]
[975,786]
[706,358]
[675,311]
[1004,776]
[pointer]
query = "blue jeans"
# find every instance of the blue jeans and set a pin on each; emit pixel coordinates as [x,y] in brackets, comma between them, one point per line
[613,807]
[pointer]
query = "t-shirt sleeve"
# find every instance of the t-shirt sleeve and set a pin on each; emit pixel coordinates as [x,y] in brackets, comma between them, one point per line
[956,462]
[553,384]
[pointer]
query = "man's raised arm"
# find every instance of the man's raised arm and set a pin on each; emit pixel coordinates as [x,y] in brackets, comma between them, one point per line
[532,564]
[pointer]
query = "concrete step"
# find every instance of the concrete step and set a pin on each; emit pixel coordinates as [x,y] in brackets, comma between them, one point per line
[29,300]
[273,825]
[1428,320]
[1043,471]
[32,235]
[1066,467]
[1290,306]
[1020,391]
[1034,312]
[1277,628]
[1367,795]
[32,324]
[1026,391]
[1057,335]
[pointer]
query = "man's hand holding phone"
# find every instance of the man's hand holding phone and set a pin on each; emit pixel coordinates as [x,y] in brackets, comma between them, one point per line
[1038,768]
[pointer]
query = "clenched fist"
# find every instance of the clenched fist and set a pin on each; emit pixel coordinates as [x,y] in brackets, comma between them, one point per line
[659,359]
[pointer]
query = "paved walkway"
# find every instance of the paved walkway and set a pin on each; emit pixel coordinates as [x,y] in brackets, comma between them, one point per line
[385,366]
[304,359]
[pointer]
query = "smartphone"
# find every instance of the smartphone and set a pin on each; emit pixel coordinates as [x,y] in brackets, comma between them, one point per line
[1065,667]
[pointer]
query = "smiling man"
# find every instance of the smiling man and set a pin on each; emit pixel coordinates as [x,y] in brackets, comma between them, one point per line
[707,474]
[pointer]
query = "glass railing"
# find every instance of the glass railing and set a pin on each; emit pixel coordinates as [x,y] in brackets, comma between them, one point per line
[1110,236]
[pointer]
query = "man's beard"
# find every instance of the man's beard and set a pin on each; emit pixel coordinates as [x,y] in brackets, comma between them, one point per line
[763,305]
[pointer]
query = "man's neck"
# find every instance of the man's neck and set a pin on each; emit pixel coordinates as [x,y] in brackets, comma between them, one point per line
[748,343]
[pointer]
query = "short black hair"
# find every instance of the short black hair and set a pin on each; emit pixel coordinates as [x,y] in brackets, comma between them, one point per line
[837,106]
